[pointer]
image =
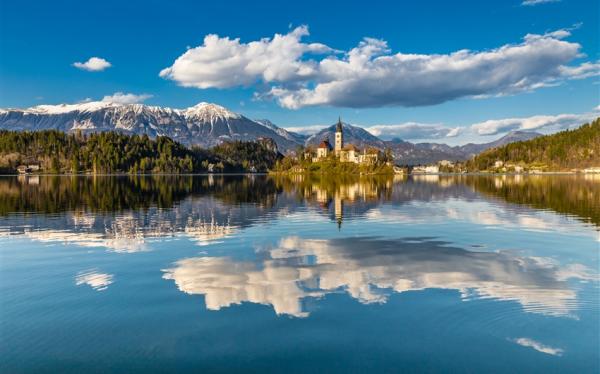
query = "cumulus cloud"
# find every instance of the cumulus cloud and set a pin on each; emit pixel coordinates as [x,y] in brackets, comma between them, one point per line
[125,98]
[556,122]
[224,62]
[585,70]
[526,342]
[414,130]
[93,64]
[371,75]
[537,2]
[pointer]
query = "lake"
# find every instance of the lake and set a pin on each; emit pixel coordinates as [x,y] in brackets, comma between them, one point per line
[139,274]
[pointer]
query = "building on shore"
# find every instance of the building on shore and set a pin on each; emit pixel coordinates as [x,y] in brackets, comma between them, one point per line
[592,170]
[345,153]
[26,169]
[427,169]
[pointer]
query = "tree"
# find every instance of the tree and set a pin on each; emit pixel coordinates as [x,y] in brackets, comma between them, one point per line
[74,164]
[54,164]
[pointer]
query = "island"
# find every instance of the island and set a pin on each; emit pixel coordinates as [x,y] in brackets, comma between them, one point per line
[339,159]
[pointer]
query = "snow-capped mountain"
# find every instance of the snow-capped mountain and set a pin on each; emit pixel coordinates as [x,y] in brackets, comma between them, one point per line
[207,125]
[204,124]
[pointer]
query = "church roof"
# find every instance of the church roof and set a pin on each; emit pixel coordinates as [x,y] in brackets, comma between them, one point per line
[351,147]
[324,144]
[338,127]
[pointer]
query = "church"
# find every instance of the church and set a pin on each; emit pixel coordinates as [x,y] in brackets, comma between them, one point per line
[345,153]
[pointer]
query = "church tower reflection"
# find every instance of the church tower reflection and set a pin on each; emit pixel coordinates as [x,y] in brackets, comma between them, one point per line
[337,200]
[338,209]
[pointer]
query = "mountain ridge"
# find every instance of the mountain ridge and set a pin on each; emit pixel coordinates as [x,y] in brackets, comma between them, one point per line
[204,124]
[415,153]
[207,125]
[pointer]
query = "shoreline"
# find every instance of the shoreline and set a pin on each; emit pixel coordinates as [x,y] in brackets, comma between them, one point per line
[122,174]
[289,174]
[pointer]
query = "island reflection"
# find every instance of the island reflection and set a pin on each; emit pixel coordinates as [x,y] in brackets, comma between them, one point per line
[120,212]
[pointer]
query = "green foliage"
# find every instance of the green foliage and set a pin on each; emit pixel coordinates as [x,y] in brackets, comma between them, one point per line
[112,152]
[253,156]
[579,197]
[579,148]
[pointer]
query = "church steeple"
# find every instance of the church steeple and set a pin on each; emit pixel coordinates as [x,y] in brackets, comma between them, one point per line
[338,127]
[339,137]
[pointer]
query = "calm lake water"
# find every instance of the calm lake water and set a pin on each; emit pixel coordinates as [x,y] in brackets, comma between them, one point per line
[253,273]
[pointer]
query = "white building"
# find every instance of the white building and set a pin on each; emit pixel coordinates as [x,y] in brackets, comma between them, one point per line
[428,169]
[323,150]
[348,153]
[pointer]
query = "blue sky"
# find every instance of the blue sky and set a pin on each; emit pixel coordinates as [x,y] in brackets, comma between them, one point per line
[544,82]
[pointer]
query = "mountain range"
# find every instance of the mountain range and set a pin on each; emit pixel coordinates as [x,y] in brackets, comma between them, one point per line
[415,153]
[207,125]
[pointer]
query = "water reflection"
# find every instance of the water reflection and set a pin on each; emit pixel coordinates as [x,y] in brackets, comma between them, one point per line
[93,278]
[527,342]
[101,194]
[499,266]
[576,196]
[123,213]
[369,268]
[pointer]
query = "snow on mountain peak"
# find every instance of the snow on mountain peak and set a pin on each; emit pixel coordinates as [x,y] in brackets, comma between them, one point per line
[207,112]
[66,108]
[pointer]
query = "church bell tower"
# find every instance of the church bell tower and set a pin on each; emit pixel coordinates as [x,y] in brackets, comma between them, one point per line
[339,137]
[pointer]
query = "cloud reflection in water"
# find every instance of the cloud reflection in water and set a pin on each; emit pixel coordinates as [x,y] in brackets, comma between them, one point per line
[93,278]
[369,269]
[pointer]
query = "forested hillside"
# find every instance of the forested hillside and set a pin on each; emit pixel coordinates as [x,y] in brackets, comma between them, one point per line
[565,150]
[110,152]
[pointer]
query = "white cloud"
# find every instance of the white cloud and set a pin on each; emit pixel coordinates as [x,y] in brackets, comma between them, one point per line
[556,122]
[223,62]
[526,342]
[93,64]
[125,98]
[414,130]
[585,70]
[537,2]
[370,75]
[454,132]
[307,130]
